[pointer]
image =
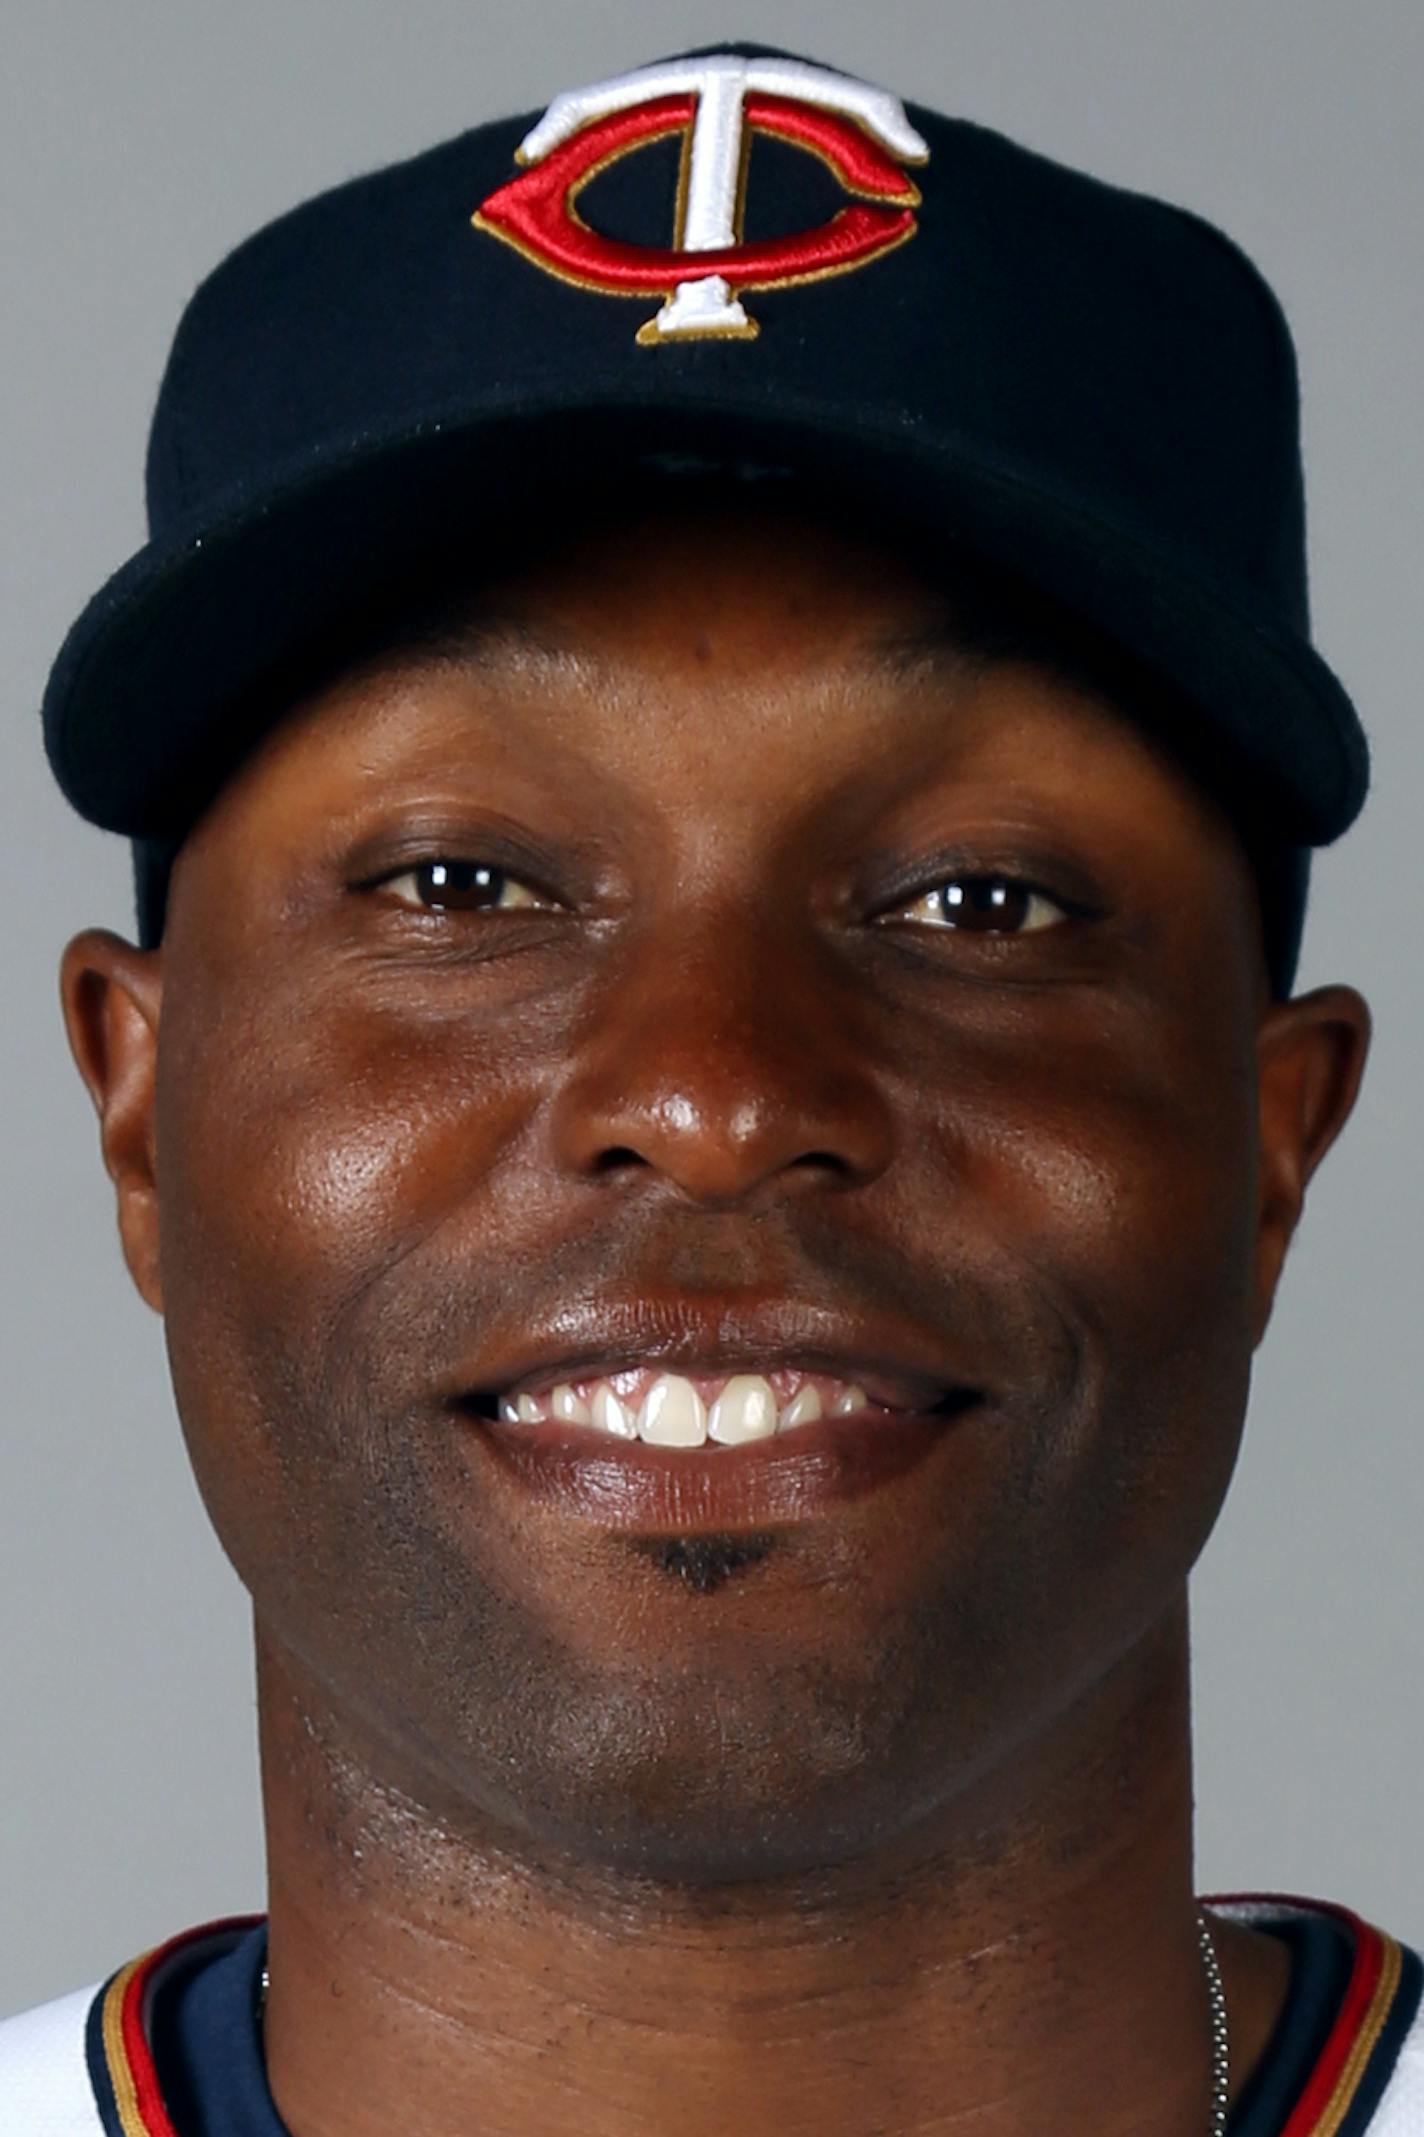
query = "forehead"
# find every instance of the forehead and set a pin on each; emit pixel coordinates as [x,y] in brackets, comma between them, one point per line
[729,584]
[699,651]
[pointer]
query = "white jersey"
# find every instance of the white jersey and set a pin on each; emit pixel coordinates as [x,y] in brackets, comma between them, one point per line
[83,2066]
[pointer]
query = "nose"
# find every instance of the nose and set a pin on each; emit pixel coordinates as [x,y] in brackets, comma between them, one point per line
[725,1060]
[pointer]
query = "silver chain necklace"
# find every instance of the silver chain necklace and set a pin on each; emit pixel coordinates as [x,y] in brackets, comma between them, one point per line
[1220,2058]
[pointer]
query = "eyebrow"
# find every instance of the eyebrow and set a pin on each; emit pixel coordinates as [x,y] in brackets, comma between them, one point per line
[988,625]
[464,630]
[939,647]
[469,631]
[965,632]
[982,619]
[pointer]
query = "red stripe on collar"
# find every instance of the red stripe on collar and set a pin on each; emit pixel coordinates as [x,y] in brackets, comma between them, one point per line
[1369,1997]
[124,2021]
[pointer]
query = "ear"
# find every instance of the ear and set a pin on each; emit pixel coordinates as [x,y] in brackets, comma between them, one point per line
[1311,1057]
[112,996]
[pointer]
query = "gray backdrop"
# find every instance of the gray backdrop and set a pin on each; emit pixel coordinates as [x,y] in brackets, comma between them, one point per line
[141,138]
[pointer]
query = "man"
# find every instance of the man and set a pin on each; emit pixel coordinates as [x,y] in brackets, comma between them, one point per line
[710,1095]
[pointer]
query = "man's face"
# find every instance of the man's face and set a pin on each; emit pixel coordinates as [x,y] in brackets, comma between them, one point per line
[711,1054]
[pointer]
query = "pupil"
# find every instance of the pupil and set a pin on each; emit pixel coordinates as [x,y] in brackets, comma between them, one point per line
[457,879]
[984,894]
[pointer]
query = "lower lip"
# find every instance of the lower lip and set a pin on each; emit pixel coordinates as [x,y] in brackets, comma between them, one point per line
[793,1476]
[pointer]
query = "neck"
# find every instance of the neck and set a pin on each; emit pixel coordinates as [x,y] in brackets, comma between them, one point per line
[1031,1962]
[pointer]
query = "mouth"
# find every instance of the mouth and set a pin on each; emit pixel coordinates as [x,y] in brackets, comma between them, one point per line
[655,1448]
[662,1407]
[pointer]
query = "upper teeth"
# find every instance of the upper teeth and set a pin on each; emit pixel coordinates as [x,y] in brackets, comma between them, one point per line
[669,1410]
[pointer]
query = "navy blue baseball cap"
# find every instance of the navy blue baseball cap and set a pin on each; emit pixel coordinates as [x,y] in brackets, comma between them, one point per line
[734,257]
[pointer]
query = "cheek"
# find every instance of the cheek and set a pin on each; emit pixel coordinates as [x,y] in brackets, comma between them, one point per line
[312,1166]
[1118,1153]
[1103,1184]
[1133,1195]
[1171,1322]
[320,1147]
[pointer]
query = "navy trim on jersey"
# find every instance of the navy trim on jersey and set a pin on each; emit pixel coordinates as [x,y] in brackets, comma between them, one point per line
[1321,1960]
[99,2074]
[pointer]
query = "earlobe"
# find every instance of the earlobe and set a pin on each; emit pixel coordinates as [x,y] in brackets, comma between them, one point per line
[112,997]
[1311,1058]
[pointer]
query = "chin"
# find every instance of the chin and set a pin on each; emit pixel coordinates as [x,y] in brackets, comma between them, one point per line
[709,1780]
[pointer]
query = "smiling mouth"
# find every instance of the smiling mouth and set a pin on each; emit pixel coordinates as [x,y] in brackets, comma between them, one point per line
[675,1465]
[700,1410]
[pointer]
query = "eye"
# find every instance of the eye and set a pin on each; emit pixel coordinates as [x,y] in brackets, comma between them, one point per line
[443,885]
[987,905]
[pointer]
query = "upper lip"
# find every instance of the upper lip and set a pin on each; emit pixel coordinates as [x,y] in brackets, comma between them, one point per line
[590,1340]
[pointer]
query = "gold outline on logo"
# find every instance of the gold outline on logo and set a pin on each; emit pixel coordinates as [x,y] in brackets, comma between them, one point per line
[647,335]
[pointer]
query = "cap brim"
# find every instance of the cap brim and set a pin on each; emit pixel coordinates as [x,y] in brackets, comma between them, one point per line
[158,690]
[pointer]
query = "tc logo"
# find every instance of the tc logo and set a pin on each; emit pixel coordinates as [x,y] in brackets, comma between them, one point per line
[862,133]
